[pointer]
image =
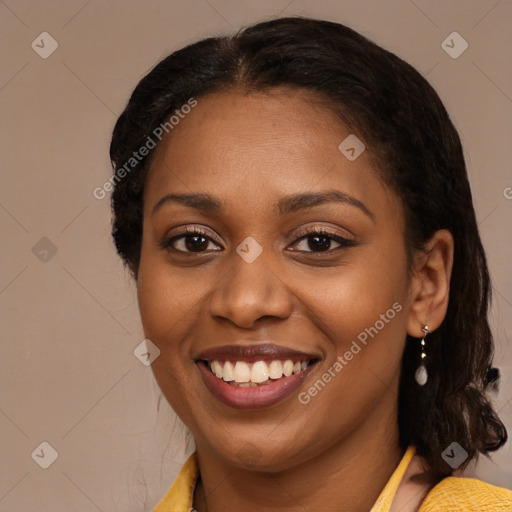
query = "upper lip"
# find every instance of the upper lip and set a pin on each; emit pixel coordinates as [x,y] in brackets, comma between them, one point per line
[253,353]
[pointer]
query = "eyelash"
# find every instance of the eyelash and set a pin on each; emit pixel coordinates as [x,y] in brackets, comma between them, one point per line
[166,243]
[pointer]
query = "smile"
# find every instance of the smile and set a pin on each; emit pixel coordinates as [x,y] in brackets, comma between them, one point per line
[260,373]
[256,376]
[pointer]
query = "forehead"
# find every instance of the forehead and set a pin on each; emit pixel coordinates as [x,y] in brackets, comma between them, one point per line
[260,145]
[276,126]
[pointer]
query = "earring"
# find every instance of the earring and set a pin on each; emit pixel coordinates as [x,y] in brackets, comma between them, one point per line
[421,374]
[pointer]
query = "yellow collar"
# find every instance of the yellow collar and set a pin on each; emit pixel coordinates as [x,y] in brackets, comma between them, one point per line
[180,496]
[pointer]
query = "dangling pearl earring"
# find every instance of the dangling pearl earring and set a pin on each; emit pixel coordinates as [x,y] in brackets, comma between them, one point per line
[421,374]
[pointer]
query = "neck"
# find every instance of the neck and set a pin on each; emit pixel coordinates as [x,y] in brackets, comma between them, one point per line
[349,476]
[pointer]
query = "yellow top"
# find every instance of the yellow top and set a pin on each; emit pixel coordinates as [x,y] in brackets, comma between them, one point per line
[452,494]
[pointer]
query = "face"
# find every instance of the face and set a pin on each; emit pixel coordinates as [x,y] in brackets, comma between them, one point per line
[263,243]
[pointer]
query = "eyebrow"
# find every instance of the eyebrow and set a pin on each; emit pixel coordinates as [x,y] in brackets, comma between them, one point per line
[286,205]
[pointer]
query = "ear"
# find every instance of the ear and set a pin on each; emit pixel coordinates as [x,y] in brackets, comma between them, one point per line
[430,283]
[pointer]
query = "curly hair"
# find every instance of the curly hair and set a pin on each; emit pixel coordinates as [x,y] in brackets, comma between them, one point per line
[418,154]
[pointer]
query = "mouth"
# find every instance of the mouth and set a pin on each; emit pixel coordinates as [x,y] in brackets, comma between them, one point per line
[254,377]
[260,373]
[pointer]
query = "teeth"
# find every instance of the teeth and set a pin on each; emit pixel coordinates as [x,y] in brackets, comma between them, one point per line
[228,374]
[217,369]
[251,374]
[275,369]
[259,372]
[242,372]
[287,368]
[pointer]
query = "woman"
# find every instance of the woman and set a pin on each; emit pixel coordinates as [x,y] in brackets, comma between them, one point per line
[294,206]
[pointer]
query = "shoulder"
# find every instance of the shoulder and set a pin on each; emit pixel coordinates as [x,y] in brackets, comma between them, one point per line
[454,494]
[179,497]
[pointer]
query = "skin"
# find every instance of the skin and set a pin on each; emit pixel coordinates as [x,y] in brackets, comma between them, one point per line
[338,451]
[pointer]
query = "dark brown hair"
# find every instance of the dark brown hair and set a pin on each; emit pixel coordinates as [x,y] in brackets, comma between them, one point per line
[419,154]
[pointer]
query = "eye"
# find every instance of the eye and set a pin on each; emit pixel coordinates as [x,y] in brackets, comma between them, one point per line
[194,240]
[197,240]
[320,240]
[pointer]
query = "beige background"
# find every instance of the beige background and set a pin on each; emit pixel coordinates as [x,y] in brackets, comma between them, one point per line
[70,324]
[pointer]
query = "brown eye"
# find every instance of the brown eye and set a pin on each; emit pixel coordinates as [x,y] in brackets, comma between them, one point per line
[321,240]
[192,241]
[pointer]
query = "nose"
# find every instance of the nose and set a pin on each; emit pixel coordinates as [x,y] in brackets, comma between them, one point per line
[248,292]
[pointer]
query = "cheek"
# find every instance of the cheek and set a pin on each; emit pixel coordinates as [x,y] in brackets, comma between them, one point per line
[166,297]
[361,312]
[166,306]
[354,296]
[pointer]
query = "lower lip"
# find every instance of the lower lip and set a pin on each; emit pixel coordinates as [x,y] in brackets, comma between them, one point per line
[256,397]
